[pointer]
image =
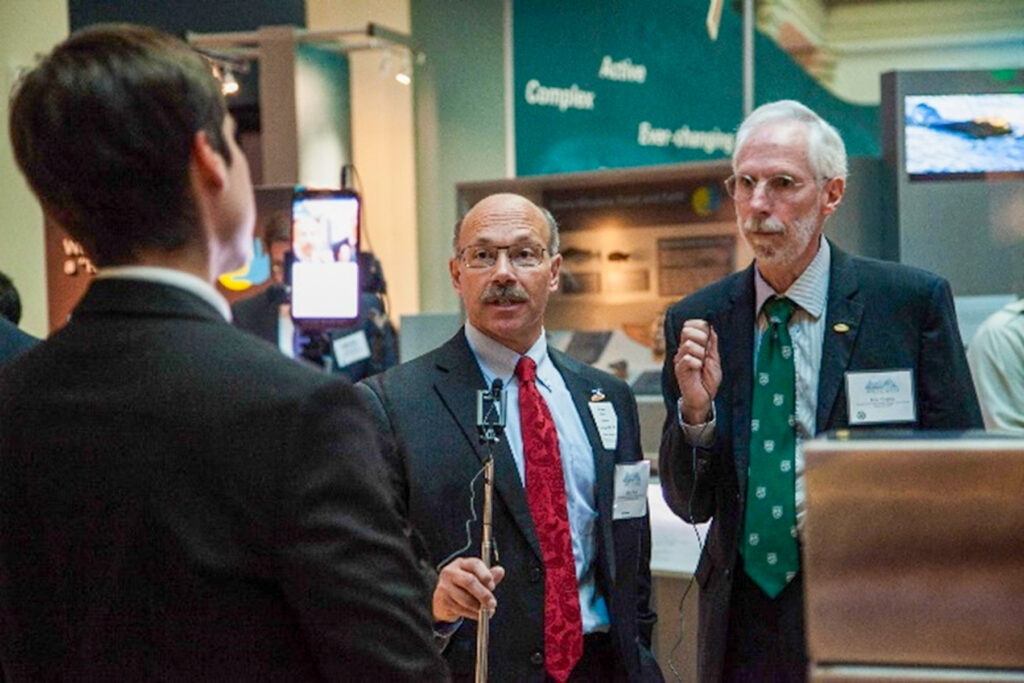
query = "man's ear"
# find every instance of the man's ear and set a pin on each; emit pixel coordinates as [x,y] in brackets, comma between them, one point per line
[207,162]
[834,189]
[556,269]
[455,273]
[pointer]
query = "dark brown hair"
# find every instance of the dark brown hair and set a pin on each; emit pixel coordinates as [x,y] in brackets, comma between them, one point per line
[103,129]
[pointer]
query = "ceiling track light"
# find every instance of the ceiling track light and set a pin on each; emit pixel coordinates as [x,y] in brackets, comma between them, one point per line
[231,53]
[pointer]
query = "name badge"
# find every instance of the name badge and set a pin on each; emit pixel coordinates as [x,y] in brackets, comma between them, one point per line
[351,348]
[631,481]
[607,423]
[881,397]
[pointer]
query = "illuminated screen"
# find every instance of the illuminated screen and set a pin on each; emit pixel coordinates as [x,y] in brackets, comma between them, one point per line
[325,249]
[964,134]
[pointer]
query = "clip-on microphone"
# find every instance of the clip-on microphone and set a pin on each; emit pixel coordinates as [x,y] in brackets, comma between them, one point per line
[490,422]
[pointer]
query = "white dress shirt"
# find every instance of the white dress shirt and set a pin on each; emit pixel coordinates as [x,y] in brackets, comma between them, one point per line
[169,276]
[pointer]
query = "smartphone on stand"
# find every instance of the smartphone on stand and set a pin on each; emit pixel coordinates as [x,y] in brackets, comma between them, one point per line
[325,265]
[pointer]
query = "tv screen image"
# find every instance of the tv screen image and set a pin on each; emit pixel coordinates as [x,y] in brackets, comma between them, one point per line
[964,134]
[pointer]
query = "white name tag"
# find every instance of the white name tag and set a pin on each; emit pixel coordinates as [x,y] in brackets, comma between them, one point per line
[351,348]
[631,481]
[607,423]
[880,397]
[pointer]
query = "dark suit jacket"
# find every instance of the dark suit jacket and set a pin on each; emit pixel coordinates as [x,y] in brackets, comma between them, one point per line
[428,406]
[13,341]
[898,317]
[258,314]
[181,503]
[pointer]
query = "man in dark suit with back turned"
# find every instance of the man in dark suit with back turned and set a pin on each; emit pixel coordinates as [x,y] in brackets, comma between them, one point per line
[804,319]
[572,595]
[177,501]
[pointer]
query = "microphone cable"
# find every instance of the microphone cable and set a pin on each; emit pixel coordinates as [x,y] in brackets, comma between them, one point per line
[469,522]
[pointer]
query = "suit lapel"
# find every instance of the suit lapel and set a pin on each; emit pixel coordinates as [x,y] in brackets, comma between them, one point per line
[604,460]
[844,309]
[737,354]
[458,381]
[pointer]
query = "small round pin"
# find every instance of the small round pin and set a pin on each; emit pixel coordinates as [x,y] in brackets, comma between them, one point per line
[841,328]
[596,395]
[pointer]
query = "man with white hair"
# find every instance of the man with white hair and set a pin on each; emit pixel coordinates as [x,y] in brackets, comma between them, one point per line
[766,358]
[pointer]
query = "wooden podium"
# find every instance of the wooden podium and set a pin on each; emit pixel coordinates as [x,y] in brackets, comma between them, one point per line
[914,558]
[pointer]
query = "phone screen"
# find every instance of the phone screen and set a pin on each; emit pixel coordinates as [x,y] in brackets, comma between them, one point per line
[325,250]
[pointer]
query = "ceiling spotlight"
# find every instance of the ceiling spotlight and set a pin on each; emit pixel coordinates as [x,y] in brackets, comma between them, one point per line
[228,83]
[404,74]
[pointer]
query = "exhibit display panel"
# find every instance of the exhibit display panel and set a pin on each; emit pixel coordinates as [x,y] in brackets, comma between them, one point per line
[953,166]
[914,557]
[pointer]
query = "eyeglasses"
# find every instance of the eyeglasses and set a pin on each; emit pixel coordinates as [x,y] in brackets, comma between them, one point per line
[776,188]
[482,256]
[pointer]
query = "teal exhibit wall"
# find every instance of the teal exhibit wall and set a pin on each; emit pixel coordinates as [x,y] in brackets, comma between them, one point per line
[690,84]
[613,84]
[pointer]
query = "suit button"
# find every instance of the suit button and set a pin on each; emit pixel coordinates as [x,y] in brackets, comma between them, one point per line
[535,574]
[537,658]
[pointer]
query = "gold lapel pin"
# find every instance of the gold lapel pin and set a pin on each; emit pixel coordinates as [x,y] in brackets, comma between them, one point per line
[841,328]
[596,395]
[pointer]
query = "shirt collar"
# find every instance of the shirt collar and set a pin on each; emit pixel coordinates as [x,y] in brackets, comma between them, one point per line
[809,291]
[174,278]
[497,360]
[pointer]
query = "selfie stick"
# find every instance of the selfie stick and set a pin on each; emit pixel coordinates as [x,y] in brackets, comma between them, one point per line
[490,421]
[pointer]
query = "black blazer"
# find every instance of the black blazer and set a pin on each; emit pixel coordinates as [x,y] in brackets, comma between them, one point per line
[898,317]
[428,407]
[181,503]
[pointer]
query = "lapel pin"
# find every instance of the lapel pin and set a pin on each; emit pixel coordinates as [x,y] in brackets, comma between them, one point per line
[596,395]
[841,328]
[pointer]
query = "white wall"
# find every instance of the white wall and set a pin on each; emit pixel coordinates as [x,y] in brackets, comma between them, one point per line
[382,145]
[849,46]
[27,28]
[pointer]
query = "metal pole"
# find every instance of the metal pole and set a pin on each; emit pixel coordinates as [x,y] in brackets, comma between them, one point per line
[748,57]
[486,546]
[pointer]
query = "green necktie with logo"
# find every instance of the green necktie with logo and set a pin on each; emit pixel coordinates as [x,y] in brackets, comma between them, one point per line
[770,553]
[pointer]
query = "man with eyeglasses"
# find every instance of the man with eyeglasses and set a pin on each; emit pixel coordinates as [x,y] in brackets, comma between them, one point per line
[570,599]
[768,357]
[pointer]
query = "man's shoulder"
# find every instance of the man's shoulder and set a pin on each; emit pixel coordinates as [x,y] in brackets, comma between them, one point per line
[13,340]
[416,370]
[1003,329]
[606,381]
[872,271]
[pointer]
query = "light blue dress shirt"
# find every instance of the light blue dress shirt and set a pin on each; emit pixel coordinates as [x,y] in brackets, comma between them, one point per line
[498,361]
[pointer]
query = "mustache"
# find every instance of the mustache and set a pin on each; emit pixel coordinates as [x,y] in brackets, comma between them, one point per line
[512,293]
[764,226]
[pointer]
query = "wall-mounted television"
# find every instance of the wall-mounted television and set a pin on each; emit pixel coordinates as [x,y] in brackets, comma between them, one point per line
[964,134]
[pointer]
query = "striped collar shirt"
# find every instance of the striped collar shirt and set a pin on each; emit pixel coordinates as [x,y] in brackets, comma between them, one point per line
[807,330]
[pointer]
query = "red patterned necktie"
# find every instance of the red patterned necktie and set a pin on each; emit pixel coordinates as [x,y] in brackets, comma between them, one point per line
[545,493]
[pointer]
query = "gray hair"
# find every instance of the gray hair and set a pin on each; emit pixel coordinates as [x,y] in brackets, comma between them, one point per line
[826,152]
[548,217]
